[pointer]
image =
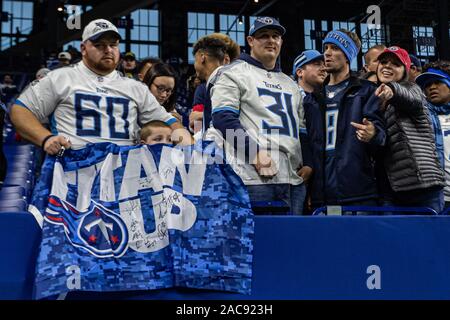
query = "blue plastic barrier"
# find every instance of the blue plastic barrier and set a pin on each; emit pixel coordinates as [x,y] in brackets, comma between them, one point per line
[295,257]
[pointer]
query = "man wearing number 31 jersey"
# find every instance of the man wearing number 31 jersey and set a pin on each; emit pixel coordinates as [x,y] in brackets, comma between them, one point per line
[88,102]
[252,97]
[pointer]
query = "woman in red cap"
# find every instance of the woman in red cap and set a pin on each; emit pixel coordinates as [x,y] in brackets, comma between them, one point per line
[410,159]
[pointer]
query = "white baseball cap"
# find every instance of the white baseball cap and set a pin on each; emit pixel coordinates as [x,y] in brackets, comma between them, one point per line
[64,55]
[97,28]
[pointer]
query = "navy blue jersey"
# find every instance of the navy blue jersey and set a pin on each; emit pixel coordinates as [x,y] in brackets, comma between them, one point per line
[334,94]
[353,159]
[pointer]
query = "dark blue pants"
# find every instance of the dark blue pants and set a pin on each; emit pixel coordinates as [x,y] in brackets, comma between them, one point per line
[429,197]
[291,197]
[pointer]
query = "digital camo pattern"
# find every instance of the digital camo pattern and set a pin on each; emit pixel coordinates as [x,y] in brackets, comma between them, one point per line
[138,218]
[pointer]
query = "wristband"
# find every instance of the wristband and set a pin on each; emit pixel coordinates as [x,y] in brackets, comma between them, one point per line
[45,140]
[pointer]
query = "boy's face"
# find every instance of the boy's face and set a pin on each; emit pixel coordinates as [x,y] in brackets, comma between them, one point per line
[438,92]
[159,135]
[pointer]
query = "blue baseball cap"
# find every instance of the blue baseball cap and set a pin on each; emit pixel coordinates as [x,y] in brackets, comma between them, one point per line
[414,61]
[433,75]
[304,58]
[266,22]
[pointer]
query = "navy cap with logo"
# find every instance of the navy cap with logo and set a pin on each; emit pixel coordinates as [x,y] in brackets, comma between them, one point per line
[266,23]
[415,61]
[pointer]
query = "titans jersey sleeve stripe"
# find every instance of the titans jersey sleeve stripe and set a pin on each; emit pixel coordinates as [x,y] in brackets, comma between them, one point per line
[20,103]
[171,121]
[225,92]
[232,109]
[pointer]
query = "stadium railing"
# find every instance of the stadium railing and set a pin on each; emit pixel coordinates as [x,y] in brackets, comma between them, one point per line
[369,210]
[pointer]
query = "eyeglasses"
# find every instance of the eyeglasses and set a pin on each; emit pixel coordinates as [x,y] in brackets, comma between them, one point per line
[162,89]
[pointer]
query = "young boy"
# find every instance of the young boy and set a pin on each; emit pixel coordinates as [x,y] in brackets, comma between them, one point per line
[154,132]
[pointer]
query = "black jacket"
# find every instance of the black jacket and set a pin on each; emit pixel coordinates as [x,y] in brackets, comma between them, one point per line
[410,158]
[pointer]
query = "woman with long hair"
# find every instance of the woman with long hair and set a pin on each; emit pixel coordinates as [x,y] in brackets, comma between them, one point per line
[161,80]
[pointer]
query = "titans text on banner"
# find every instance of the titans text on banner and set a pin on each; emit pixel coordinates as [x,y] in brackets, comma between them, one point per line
[140,218]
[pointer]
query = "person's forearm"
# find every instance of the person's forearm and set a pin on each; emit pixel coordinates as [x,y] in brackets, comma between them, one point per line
[27,125]
[178,131]
[407,98]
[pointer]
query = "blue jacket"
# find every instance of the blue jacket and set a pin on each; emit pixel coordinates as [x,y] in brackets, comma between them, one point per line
[434,112]
[354,159]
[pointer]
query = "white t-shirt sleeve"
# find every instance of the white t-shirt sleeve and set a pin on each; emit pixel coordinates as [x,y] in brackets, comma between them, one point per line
[150,110]
[301,113]
[226,94]
[40,98]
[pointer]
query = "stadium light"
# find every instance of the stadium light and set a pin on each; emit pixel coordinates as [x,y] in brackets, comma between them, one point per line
[255,1]
[60,7]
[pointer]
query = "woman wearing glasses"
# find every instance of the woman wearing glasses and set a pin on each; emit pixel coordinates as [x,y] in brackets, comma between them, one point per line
[161,80]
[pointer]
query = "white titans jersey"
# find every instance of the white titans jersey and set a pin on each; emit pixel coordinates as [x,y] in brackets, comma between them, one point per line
[89,108]
[445,127]
[270,109]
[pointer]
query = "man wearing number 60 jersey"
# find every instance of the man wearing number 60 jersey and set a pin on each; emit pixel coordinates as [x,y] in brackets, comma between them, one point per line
[253,98]
[88,102]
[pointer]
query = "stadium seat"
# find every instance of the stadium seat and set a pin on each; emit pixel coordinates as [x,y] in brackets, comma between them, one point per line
[13,189]
[13,205]
[11,196]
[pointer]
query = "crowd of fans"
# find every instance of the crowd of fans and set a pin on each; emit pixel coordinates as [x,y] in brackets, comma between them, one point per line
[377,137]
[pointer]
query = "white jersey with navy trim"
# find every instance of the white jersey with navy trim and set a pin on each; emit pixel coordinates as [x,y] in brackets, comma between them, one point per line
[265,101]
[444,120]
[89,108]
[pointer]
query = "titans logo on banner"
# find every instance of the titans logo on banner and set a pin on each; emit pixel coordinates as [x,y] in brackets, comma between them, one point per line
[98,230]
[140,218]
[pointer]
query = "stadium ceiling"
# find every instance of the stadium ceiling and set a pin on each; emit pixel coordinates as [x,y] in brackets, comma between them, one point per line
[393,12]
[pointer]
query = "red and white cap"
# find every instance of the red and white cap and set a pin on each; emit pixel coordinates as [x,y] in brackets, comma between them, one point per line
[401,54]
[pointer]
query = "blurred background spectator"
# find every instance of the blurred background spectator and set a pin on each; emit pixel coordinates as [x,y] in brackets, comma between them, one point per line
[145,65]
[8,89]
[129,65]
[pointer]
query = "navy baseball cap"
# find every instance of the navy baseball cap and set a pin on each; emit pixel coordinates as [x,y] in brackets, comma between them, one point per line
[266,22]
[304,58]
[414,61]
[433,75]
